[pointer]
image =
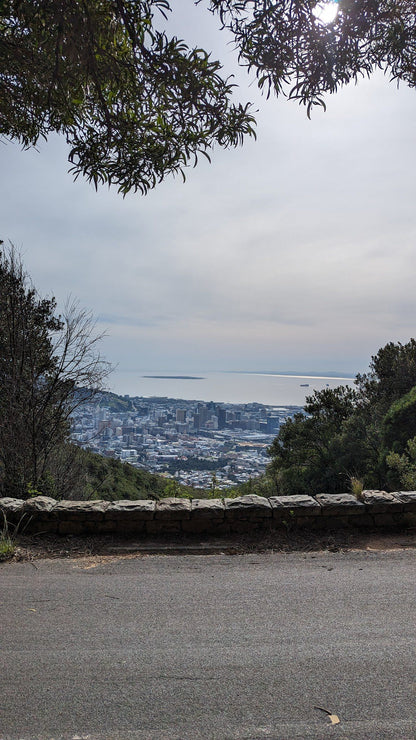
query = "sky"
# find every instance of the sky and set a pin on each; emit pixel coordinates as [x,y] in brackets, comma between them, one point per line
[293,252]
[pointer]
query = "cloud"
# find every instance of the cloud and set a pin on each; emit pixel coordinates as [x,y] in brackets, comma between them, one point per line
[294,251]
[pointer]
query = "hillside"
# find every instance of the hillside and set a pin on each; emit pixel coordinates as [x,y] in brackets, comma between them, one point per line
[107,478]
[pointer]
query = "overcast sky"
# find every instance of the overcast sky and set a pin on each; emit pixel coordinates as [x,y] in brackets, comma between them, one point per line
[294,252]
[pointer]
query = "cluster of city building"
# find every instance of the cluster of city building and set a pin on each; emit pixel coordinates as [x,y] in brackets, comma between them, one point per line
[198,444]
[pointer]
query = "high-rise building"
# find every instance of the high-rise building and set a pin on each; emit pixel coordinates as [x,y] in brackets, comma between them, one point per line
[221,415]
[273,423]
[203,414]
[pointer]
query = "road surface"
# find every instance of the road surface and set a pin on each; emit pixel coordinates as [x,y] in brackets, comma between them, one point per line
[213,647]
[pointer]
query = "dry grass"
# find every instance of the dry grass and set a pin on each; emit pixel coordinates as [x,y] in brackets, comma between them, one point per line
[7,545]
[30,548]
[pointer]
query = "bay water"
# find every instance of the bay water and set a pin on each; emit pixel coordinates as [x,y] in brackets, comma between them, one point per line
[224,387]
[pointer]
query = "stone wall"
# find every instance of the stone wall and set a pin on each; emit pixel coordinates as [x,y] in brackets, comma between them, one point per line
[247,514]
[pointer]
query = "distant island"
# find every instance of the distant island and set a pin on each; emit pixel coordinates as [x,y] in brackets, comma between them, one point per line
[174,377]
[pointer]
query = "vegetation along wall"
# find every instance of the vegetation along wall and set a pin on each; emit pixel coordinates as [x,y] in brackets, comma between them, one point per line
[246,514]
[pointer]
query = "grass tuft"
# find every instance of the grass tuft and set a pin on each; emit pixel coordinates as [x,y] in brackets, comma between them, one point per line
[7,545]
[356,488]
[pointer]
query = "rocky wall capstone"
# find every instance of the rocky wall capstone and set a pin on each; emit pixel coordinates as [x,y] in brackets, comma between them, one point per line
[211,517]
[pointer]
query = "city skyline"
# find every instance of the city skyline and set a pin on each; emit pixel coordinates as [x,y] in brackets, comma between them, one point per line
[293,252]
[189,441]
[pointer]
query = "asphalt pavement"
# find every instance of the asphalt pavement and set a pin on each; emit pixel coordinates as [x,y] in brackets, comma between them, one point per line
[219,647]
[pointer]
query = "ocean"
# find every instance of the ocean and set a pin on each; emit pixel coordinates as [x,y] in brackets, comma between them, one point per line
[224,387]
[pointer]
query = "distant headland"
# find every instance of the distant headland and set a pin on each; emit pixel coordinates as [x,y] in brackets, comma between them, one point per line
[174,377]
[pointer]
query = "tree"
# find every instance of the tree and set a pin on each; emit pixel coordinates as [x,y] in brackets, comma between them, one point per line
[348,433]
[136,105]
[403,467]
[399,424]
[306,454]
[307,48]
[49,364]
[392,374]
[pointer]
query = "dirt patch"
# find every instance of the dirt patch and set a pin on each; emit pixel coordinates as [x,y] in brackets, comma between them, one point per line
[97,549]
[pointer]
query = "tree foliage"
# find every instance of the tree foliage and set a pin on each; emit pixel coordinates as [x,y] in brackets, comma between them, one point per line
[110,479]
[399,424]
[360,433]
[391,375]
[404,466]
[295,53]
[44,358]
[307,451]
[134,104]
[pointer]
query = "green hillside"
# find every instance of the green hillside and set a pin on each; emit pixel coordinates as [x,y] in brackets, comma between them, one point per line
[109,479]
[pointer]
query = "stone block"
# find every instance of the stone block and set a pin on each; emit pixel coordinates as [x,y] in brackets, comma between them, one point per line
[248,526]
[71,527]
[81,510]
[11,505]
[39,525]
[141,510]
[105,527]
[361,521]
[333,522]
[91,525]
[407,498]
[126,527]
[214,527]
[39,504]
[207,508]
[306,522]
[248,507]
[300,505]
[173,509]
[291,523]
[408,519]
[281,523]
[11,511]
[389,520]
[380,502]
[164,527]
[339,504]
[204,525]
